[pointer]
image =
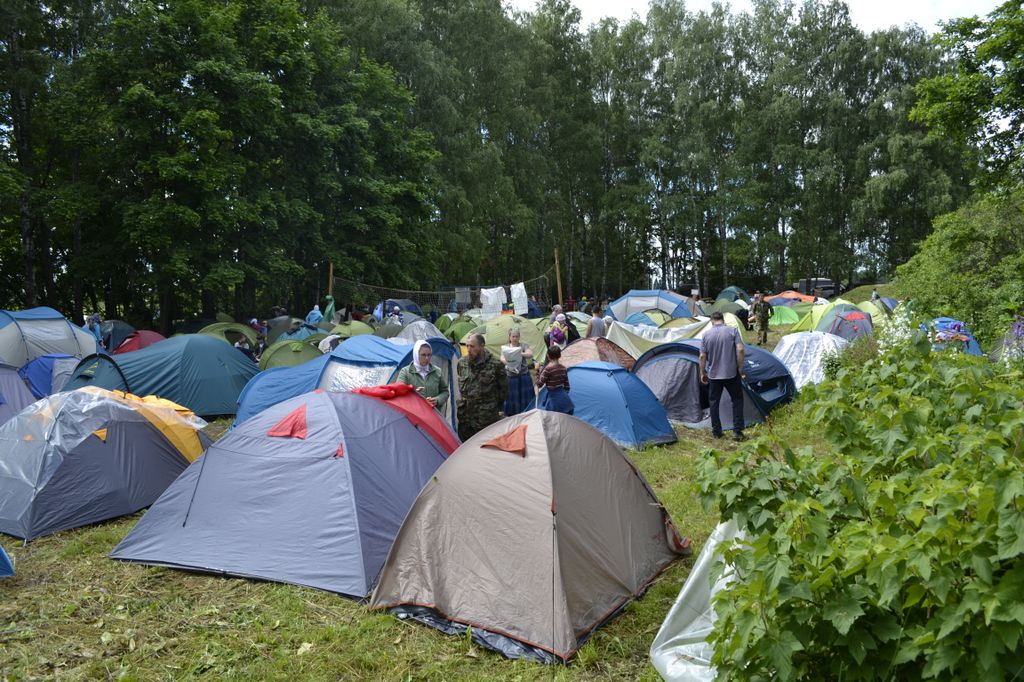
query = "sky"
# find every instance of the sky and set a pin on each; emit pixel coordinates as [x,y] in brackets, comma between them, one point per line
[867,14]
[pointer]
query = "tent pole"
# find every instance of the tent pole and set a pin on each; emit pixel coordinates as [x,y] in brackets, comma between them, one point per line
[558,277]
[330,278]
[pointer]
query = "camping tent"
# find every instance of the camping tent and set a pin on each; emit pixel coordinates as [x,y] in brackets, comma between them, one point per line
[351,328]
[14,394]
[230,332]
[596,348]
[84,456]
[637,301]
[671,372]
[288,354]
[407,305]
[850,325]
[515,537]
[803,354]
[618,404]
[815,314]
[195,370]
[276,326]
[639,319]
[781,315]
[27,334]
[419,330]
[48,374]
[638,340]
[681,651]
[137,340]
[6,566]
[733,293]
[364,360]
[828,318]
[114,332]
[310,492]
[789,293]
[877,310]
[495,332]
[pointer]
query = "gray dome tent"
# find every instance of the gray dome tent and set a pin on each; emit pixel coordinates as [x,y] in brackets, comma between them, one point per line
[514,537]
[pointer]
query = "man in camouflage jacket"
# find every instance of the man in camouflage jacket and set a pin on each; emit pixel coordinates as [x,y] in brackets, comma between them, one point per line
[483,388]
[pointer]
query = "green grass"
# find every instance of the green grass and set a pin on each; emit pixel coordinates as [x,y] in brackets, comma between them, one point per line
[861,294]
[71,613]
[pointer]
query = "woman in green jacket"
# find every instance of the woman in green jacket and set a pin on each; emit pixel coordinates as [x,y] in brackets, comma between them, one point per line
[428,379]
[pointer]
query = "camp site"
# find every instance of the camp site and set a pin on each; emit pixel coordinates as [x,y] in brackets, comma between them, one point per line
[511,340]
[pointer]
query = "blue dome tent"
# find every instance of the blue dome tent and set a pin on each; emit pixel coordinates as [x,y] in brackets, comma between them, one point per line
[637,301]
[671,372]
[618,404]
[310,492]
[364,360]
[197,371]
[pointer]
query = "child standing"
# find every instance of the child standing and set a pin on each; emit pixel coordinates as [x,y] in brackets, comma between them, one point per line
[555,378]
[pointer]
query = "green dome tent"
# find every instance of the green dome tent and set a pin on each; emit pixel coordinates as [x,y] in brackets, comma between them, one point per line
[781,315]
[230,332]
[288,354]
[349,329]
[495,334]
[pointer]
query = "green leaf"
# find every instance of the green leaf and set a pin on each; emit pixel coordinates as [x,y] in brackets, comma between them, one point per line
[842,612]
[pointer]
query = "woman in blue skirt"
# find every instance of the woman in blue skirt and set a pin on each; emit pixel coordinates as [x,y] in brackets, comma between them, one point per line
[555,377]
[517,358]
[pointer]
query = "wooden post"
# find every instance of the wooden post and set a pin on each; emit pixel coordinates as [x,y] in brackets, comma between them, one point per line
[330,279]
[558,277]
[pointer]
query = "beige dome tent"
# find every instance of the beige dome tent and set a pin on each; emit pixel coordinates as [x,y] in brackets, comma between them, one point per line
[514,537]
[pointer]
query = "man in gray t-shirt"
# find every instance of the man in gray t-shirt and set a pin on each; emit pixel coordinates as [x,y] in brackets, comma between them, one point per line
[722,355]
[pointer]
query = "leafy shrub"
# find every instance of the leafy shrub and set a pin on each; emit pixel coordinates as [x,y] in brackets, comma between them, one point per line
[897,555]
[972,266]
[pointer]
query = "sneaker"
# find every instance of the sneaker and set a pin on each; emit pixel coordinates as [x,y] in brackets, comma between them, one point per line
[716,435]
[739,437]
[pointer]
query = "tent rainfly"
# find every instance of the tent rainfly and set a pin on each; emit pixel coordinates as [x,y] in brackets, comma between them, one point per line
[310,492]
[514,538]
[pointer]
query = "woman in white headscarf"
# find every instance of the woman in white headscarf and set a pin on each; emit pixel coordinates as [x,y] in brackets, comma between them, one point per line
[428,379]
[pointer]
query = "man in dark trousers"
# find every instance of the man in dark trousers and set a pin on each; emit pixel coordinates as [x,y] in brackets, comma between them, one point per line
[721,366]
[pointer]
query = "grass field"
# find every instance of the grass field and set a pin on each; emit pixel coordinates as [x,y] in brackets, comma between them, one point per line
[70,613]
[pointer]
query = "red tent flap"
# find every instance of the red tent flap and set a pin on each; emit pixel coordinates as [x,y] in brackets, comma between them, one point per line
[385,392]
[513,441]
[292,426]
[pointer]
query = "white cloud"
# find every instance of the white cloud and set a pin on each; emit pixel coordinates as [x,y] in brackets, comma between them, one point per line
[867,14]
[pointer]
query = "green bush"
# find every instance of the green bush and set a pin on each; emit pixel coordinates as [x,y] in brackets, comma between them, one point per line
[972,266]
[899,554]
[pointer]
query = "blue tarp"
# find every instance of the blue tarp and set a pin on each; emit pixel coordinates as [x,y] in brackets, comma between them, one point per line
[196,371]
[6,567]
[272,386]
[618,404]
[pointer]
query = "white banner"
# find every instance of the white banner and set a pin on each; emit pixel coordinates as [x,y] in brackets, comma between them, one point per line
[491,301]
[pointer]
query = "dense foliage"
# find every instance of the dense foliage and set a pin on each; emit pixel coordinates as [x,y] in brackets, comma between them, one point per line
[981,99]
[972,266]
[895,548]
[187,157]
